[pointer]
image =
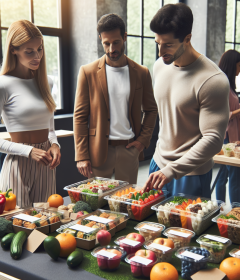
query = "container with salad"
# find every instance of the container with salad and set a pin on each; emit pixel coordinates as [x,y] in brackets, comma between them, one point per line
[93,190]
[132,200]
[186,211]
[229,223]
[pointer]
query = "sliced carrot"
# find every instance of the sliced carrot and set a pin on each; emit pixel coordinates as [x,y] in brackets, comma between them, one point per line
[194,202]
[184,205]
[198,200]
[189,201]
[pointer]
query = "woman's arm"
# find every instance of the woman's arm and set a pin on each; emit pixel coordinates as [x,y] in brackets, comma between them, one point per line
[234,114]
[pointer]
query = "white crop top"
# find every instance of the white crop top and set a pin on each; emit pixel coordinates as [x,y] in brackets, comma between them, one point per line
[23,109]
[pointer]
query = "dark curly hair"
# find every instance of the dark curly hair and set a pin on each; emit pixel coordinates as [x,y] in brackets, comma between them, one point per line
[173,18]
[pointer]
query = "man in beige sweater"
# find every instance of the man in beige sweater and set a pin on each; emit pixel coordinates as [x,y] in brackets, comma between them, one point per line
[191,93]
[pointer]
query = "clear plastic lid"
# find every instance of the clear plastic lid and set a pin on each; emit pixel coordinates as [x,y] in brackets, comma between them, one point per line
[149,227]
[184,204]
[128,242]
[98,184]
[108,252]
[33,217]
[196,256]
[139,261]
[214,241]
[235,253]
[179,232]
[150,245]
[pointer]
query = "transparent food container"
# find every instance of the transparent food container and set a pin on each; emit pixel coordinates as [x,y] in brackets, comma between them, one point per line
[235,253]
[163,253]
[196,217]
[229,228]
[216,246]
[85,229]
[128,245]
[94,199]
[136,210]
[181,237]
[31,218]
[192,259]
[149,230]
[108,257]
[140,269]
[237,152]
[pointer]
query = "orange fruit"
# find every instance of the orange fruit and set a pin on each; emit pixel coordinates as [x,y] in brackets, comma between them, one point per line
[67,242]
[55,200]
[163,271]
[230,266]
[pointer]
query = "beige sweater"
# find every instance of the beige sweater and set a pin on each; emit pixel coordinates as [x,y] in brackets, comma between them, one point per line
[193,112]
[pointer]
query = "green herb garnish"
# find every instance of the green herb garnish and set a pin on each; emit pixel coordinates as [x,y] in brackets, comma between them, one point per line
[179,200]
[111,186]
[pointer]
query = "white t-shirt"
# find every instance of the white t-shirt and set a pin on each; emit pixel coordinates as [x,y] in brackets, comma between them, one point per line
[118,82]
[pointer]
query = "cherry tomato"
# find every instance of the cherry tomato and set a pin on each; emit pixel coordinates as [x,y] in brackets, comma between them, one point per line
[151,197]
[146,200]
[156,195]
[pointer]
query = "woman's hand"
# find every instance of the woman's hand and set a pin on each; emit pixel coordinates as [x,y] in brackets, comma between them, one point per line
[41,156]
[56,156]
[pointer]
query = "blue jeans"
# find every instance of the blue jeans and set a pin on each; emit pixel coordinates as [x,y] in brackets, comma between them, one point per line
[234,182]
[197,185]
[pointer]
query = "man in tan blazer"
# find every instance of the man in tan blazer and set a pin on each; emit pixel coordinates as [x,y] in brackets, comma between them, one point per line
[110,130]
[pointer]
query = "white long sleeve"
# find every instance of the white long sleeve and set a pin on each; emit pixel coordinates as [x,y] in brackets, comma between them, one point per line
[52,135]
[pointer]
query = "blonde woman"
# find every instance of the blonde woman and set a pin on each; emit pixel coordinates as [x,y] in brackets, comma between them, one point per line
[27,109]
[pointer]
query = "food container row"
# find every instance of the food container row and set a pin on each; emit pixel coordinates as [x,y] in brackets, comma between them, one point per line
[85,229]
[189,212]
[44,220]
[134,202]
[93,190]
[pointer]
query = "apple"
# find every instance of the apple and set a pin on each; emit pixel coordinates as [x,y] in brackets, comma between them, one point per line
[147,254]
[133,249]
[164,242]
[114,262]
[81,213]
[103,237]
[102,262]
[136,236]
[136,269]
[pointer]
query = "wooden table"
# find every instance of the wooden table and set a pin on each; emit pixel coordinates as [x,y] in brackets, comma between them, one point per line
[223,160]
[59,133]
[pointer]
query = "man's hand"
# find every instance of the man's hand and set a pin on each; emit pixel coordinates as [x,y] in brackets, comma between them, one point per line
[137,145]
[85,168]
[156,180]
[56,156]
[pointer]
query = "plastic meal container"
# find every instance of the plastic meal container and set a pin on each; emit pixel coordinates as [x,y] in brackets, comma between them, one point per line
[163,254]
[227,227]
[85,235]
[216,246]
[128,245]
[149,230]
[108,257]
[181,237]
[235,253]
[44,220]
[140,269]
[198,221]
[192,259]
[94,200]
[126,205]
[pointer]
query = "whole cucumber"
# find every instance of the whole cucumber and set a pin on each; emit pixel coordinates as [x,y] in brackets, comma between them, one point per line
[7,240]
[75,258]
[17,244]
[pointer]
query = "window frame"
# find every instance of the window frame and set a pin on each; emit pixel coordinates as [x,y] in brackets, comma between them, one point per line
[61,34]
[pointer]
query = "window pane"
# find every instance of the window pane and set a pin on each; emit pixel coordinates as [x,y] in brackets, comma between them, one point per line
[230,21]
[150,9]
[134,49]
[165,2]
[46,13]
[229,47]
[149,53]
[237,23]
[51,45]
[4,37]
[133,17]
[12,10]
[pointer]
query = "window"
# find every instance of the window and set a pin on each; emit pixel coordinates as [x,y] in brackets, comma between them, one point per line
[46,14]
[141,46]
[232,38]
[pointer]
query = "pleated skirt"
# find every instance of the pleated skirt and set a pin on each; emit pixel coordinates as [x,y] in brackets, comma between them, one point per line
[29,180]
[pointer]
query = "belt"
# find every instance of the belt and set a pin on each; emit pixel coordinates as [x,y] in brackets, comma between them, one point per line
[120,142]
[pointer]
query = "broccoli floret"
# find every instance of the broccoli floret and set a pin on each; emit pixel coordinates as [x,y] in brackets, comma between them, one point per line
[81,206]
[5,227]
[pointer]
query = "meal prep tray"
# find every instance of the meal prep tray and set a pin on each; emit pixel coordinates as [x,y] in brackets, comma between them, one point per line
[198,220]
[95,200]
[88,240]
[136,211]
[230,227]
[44,220]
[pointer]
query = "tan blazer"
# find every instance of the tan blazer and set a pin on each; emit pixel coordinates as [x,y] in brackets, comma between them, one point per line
[92,116]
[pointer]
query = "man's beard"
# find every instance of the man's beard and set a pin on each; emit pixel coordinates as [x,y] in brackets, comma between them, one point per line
[116,58]
[177,54]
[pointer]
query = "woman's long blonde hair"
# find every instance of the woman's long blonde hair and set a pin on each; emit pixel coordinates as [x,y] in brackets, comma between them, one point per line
[20,32]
